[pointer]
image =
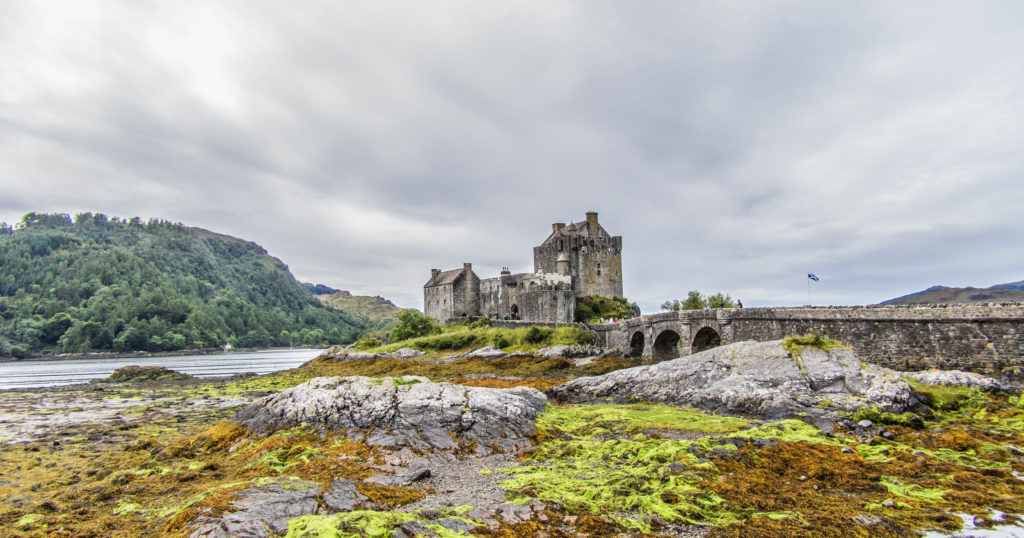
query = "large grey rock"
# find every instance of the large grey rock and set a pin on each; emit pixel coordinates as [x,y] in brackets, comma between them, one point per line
[410,411]
[957,378]
[489,352]
[569,352]
[348,353]
[758,379]
[342,496]
[407,353]
[261,512]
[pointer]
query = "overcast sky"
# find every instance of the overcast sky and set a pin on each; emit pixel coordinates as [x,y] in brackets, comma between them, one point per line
[735,146]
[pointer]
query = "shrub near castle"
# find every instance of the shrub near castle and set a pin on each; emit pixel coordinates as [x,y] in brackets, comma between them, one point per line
[478,333]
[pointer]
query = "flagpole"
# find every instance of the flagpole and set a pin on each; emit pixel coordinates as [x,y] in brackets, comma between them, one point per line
[808,289]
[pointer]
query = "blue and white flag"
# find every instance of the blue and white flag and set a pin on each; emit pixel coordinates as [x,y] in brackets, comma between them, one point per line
[812,276]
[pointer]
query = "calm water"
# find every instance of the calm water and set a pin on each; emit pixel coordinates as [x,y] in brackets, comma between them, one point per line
[49,373]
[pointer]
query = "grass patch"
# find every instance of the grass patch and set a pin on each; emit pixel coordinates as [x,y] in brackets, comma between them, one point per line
[950,398]
[588,420]
[360,523]
[584,465]
[796,344]
[877,416]
[465,336]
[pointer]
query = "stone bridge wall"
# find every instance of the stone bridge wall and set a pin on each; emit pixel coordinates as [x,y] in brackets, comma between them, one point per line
[980,338]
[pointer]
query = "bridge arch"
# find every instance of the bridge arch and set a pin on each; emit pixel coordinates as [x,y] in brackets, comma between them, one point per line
[636,344]
[706,338]
[666,346]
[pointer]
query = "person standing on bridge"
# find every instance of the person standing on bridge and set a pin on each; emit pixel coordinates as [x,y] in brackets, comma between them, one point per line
[739,303]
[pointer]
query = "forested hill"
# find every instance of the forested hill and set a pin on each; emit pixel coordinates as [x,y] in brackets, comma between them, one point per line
[95,283]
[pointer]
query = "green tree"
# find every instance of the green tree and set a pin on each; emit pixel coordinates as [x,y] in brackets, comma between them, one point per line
[695,300]
[591,307]
[412,324]
[720,301]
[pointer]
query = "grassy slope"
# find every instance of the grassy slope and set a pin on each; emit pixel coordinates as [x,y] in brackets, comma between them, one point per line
[377,314]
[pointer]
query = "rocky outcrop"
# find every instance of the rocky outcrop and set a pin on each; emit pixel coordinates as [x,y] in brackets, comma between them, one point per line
[260,512]
[489,352]
[407,411]
[142,374]
[342,355]
[407,353]
[571,352]
[759,379]
[956,378]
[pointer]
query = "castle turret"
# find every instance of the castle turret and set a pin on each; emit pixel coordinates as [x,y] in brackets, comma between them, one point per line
[563,264]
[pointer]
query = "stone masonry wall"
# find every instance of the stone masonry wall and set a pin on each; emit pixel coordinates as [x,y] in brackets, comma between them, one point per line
[466,296]
[594,262]
[544,297]
[979,338]
[438,302]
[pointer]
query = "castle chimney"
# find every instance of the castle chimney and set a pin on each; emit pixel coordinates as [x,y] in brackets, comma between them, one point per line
[467,268]
[434,273]
[557,226]
[505,271]
[592,223]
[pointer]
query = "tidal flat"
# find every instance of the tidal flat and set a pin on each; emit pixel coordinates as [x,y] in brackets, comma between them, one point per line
[147,457]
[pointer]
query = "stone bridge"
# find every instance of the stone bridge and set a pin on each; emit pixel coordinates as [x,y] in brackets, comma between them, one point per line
[982,338]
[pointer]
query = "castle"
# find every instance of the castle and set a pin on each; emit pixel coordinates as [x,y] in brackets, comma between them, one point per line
[576,260]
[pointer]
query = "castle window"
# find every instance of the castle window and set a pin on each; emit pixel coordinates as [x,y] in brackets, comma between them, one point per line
[598,269]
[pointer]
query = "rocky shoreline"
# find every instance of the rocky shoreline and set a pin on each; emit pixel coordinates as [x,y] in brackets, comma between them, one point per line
[560,441]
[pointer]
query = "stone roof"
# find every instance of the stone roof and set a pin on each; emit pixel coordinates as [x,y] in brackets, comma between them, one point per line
[444,277]
[576,229]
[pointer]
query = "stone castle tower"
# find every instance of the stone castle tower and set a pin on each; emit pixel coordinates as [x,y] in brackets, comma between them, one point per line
[574,261]
[594,257]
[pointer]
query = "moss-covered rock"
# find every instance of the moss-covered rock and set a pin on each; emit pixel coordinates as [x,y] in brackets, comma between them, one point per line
[142,374]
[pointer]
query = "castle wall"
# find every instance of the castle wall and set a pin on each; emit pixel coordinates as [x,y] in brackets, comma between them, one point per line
[439,302]
[466,296]
[595,262]
[545,297]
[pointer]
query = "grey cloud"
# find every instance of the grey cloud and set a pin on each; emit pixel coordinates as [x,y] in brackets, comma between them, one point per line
[734,146]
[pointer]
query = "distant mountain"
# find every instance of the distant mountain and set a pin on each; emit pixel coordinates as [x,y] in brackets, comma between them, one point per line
[95,283]
[1000,293]
[376,314]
